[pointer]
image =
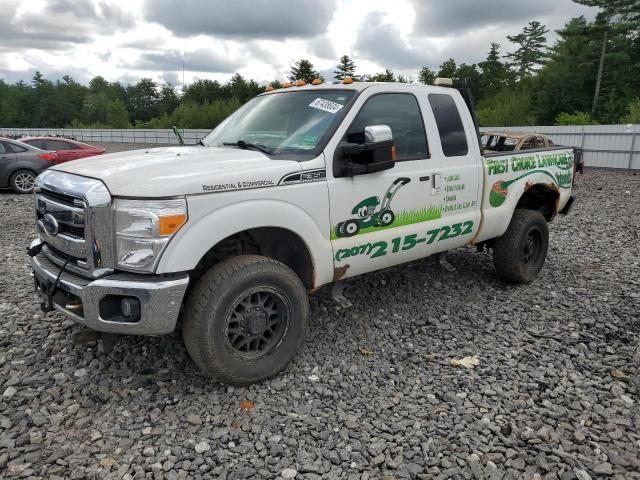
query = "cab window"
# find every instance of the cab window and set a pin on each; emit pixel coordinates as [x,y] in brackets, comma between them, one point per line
[452,135]
[401,113]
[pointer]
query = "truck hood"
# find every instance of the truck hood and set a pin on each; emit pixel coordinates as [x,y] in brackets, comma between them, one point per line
[175,171]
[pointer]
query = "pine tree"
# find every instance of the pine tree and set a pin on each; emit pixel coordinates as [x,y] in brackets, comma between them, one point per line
[616,17]
[303,70]
[426,76]
[531,49]
[493,73]
[345,68]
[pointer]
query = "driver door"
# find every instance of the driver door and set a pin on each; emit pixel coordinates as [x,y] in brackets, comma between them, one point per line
[381,219]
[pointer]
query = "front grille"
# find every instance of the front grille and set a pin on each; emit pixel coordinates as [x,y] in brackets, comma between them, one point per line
[73,216]
[63,257]
[71,231]
[61,198]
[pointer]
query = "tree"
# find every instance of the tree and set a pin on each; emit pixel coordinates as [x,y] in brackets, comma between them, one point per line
[510,107]
[345,68]
[426,76]
[616,17]
[531,50]
[471,73]
[578,118]
[202,91]
[493,73]
[117,115]
[448,69]
[633,112]
[143,98]
[386,76]
[565,83]
[168,100]
[303,70]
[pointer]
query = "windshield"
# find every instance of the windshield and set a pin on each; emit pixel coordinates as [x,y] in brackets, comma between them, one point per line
[296,124]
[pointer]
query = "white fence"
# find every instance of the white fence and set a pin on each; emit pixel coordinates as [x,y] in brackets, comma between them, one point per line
[124,135]
[608,146]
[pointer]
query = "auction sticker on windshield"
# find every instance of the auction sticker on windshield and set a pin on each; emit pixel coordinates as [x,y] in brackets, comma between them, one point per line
[326,105]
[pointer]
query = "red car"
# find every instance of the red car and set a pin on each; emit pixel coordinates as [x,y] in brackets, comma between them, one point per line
[65,149]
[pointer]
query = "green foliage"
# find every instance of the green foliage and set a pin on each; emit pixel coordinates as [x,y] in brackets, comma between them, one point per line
[386,76]
[117,115]
[303,70]
[103,104]
[426,76]
[510,107]
[345,68]
[633,112]
[531,49]
[578,118]
[494,74]
[447,69]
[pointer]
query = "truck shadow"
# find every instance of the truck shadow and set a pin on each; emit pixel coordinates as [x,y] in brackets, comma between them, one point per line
[163,362]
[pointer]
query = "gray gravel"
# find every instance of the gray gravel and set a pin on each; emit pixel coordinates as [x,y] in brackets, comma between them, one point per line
[371,394]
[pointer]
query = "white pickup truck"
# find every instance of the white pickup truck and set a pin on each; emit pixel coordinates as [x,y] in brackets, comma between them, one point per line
[301,187]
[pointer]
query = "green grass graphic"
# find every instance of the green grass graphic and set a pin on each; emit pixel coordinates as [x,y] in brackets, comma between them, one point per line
[404,217]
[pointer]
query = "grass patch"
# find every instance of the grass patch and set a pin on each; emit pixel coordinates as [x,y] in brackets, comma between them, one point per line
[404,217]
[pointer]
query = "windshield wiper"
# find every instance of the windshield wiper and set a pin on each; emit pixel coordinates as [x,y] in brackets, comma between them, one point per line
[246,145]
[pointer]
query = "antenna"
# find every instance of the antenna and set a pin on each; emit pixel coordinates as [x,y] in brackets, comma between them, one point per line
[183,70]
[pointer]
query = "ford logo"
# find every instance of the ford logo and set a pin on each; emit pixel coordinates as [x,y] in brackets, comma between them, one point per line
[50,224]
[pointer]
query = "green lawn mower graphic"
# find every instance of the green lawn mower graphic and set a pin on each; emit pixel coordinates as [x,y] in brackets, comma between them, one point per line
[371,212]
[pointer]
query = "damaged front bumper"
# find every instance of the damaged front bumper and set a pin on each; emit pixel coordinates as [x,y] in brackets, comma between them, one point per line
[123,303]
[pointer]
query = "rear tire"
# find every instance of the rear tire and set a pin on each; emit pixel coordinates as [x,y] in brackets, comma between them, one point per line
[519,254]
[22,181]
[245,319]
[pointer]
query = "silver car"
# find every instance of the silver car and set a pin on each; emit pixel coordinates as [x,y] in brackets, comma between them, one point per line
[20,164]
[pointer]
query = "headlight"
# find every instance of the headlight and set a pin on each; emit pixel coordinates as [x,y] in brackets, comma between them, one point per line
[143,229]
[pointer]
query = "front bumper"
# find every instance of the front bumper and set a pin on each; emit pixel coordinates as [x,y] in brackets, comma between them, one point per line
[87,300]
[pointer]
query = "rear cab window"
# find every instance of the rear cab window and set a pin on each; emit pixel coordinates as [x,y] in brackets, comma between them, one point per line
[453,137]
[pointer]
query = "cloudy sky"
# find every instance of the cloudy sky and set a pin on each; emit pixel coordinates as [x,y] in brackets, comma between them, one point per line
[129,39]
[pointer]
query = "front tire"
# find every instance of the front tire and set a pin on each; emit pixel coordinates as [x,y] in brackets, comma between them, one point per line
[519,254]
[245,319]
[22,181]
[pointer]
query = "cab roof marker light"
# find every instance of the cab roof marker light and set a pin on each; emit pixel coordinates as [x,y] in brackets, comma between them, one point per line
[300,83]
[347,80]
[316,81]
[443,82]
[286,84]
[269,88]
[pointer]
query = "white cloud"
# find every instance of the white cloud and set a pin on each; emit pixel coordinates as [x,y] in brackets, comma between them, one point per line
[261,39]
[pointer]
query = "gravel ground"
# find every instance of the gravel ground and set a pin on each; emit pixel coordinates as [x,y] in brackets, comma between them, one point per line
[372,393]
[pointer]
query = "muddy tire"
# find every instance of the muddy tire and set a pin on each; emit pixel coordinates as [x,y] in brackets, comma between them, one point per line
[245,319]
[519,254]
[22,181]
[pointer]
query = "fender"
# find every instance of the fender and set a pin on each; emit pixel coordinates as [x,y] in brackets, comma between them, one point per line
[206,227]
[496,219]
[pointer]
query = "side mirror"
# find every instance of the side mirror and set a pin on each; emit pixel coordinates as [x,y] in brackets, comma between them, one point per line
[377,133]
[374,155]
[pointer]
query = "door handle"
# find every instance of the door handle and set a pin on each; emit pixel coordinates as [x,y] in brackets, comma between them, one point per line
[436,186]
[424,179]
